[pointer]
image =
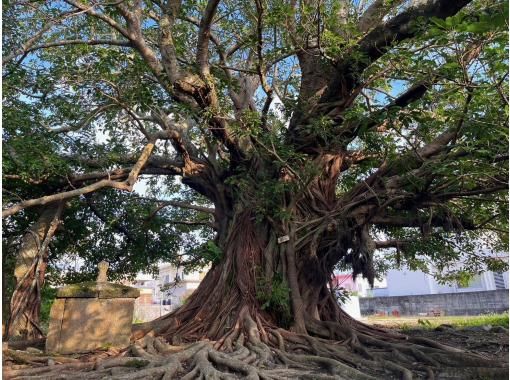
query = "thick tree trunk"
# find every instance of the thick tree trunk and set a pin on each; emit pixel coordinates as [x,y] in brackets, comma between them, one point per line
[229,290]
[31,262]
[259,285]
[265,311]
[269,299]
[263,280]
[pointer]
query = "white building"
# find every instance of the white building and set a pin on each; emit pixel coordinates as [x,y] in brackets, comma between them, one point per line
[170,287]
[405,282]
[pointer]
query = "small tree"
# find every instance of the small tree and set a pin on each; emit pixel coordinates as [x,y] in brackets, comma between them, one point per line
[63,244]
[313,128]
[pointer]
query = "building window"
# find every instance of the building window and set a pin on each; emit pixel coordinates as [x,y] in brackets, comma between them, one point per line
[499,281]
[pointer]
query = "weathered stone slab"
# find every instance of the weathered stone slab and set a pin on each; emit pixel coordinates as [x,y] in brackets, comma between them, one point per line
[56,316]
[92,289]
[91,315]
[89,324]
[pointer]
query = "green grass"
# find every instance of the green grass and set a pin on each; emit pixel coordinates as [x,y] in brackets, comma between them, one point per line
[406,323]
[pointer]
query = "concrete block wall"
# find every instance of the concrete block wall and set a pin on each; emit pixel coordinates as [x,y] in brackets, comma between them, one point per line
[466,303]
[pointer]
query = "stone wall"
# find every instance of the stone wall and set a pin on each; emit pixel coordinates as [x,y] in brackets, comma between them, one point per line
[466,303]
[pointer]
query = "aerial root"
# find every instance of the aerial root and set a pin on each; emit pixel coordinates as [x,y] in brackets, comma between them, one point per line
[254,351]
[408,357]
[35,359]
[250,358]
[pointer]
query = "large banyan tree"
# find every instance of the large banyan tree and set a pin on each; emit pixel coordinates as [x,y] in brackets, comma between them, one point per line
[306,134]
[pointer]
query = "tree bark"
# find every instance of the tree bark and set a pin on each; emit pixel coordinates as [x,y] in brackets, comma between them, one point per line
[30,268]
[258,279]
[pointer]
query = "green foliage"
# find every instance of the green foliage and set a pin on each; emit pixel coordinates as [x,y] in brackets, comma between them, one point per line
[342,295]
[118,228]
[274,296]
[455,258]
[48,295]
[93,91]
[490,19]
[210,252]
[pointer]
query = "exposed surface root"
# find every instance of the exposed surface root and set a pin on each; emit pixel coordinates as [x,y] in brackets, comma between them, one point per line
[247,353]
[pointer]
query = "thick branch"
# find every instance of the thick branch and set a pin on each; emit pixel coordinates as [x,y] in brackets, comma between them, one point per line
[166,43]
[411,160]
[403,26]
[122,173]
[417,221]
[339,92]
[79,42]
[392,243]
[260,63]
[125,185]
[204,36]
[375,13]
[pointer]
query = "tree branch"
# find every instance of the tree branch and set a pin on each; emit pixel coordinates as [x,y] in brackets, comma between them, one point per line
[417,221]
[204,34]
[192,223]
[101,16]
[375,13]
[339,93]
[403,26]
[79,42]
[105,220]
[83,123]
[126,185]
[260,64]
[163,203]
[392,243]
[27,46]
[166,44]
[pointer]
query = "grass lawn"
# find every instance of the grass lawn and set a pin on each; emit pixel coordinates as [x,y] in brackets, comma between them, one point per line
[433,322]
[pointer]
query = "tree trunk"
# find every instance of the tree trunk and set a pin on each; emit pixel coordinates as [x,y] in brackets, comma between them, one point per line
[266,309]
[30,268]
[270,297]
[259,285]
[265,281]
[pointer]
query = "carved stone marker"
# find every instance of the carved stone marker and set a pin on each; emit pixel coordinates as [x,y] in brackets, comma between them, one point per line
[91,315]
[103,268]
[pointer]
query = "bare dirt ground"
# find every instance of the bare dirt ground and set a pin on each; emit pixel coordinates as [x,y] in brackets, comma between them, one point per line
[486,334]
[492,343]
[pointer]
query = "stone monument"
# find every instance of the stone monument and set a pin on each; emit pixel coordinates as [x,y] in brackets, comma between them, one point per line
[91,315]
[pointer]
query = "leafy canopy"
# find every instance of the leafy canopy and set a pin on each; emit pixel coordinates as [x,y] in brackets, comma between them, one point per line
[221,89]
